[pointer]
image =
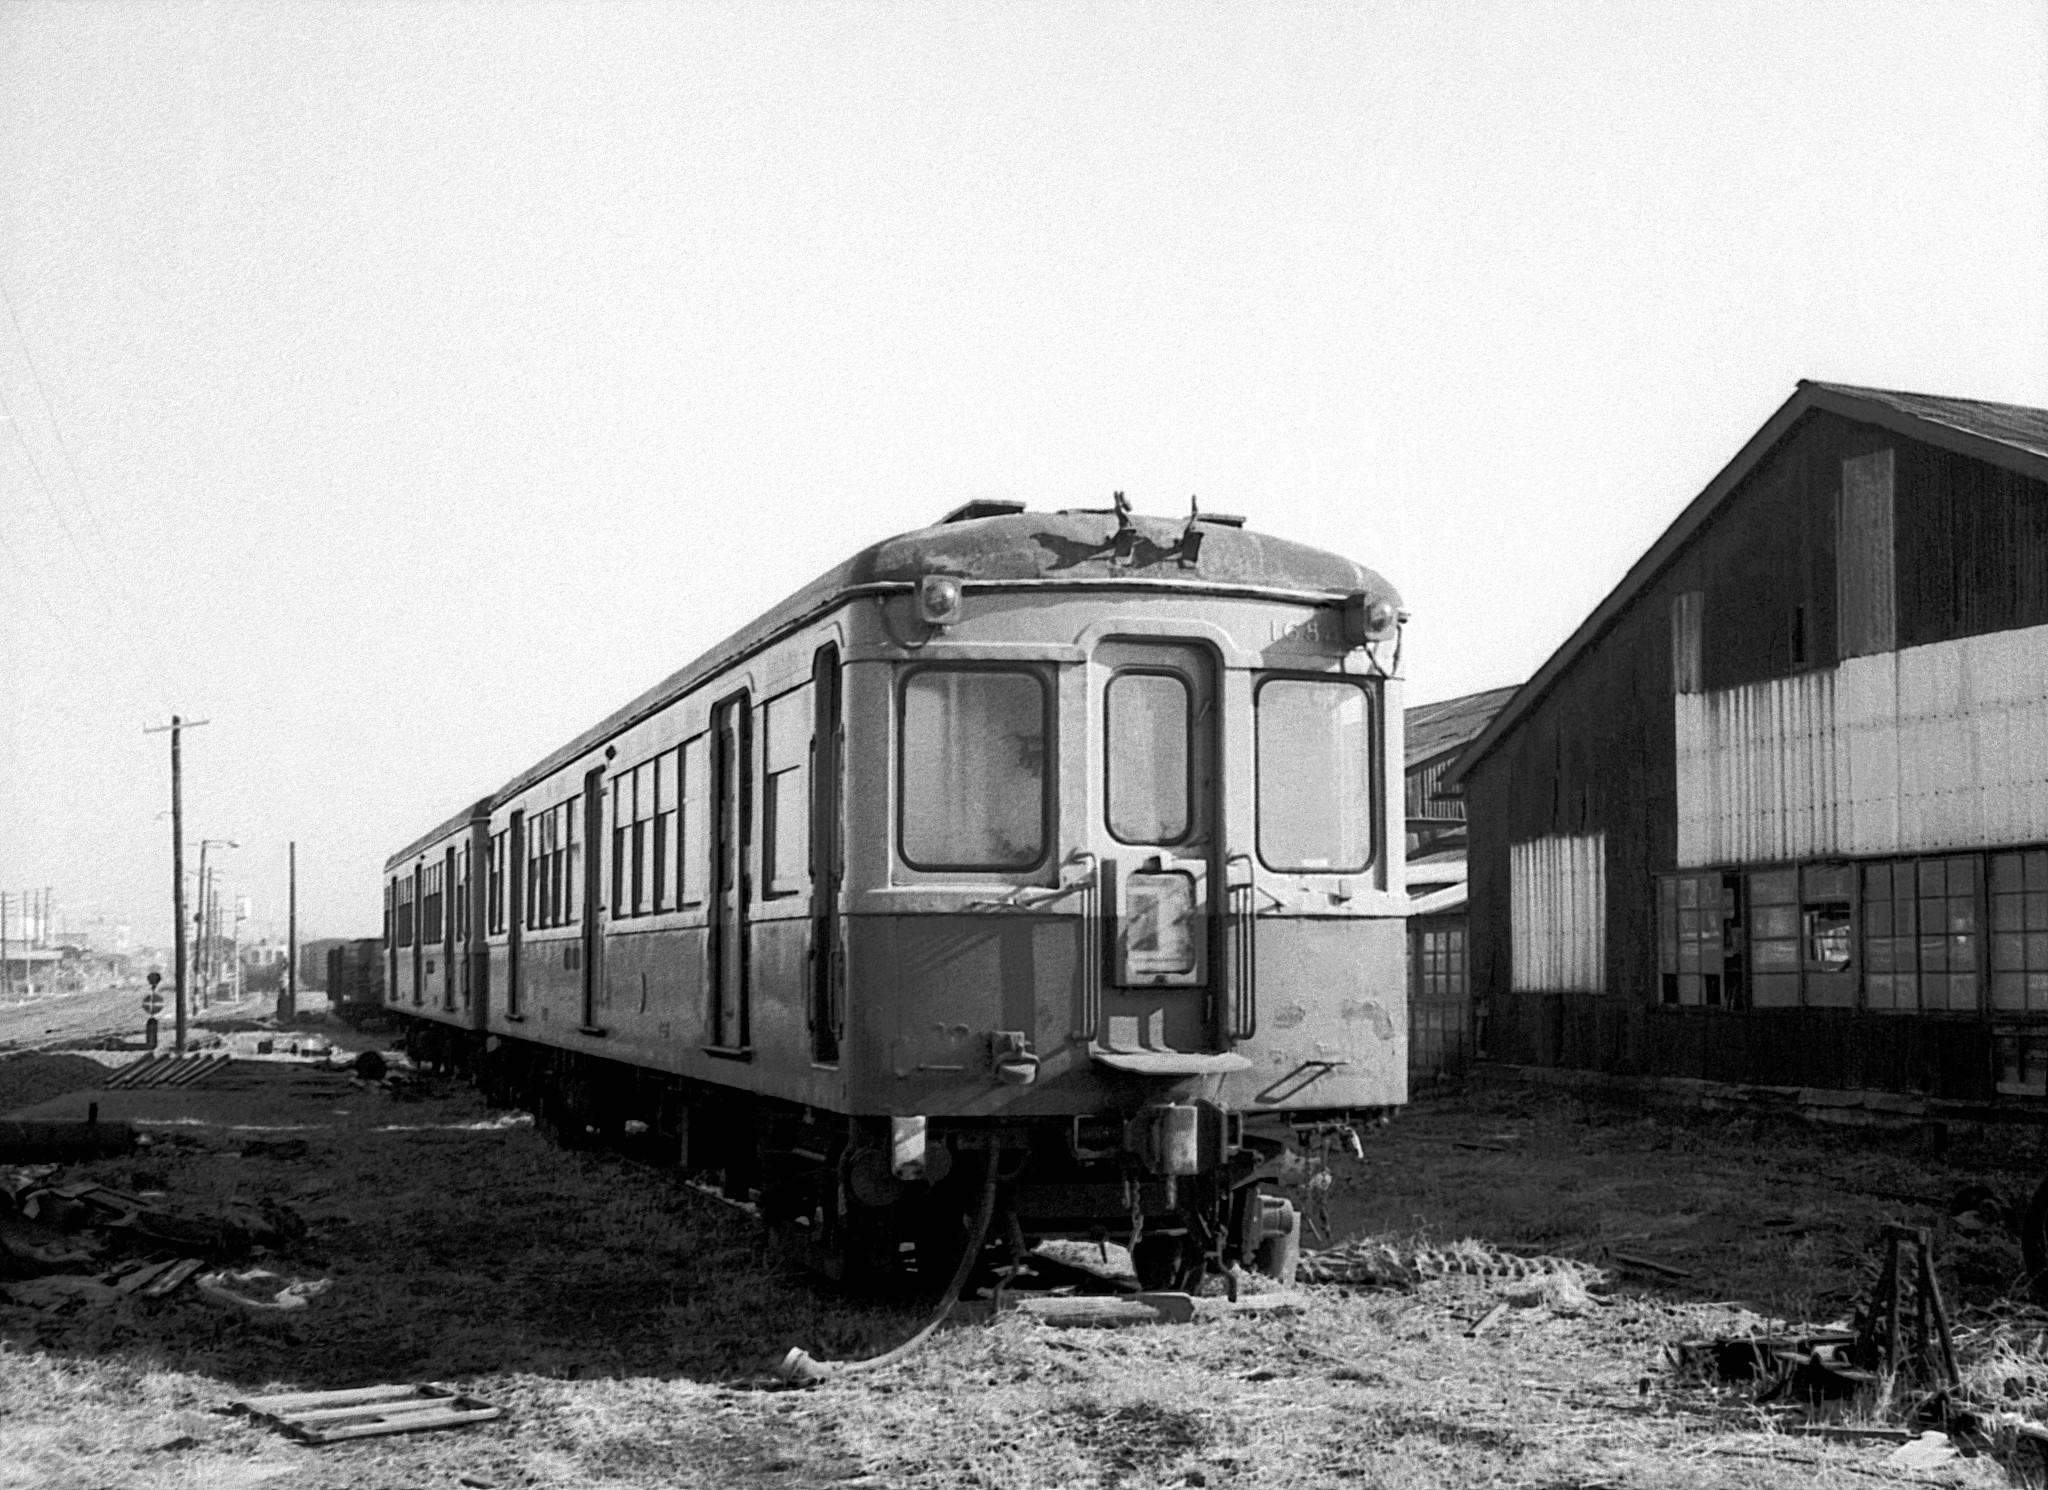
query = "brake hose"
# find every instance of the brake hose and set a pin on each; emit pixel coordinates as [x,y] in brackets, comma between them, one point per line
[799,1368]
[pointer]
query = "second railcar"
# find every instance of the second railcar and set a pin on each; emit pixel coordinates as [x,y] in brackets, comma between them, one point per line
[1059,851]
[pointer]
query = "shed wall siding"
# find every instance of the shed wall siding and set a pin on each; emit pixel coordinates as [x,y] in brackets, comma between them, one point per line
[1933,748]
[1560,914]
[1598,754]
[1866,613]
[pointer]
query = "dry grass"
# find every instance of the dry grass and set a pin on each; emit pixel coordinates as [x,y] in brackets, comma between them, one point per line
[618,1315]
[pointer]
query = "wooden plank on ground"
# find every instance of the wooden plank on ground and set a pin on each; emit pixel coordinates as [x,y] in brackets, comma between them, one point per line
[367,1412]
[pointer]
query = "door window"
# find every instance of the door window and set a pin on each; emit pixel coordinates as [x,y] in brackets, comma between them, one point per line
[1146,725]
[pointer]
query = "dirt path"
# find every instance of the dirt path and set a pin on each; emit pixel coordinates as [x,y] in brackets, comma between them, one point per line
[618,1315]
[54,1018]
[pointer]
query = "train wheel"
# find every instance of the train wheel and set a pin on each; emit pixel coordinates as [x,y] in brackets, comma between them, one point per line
[2034,1242]
[1164,1262]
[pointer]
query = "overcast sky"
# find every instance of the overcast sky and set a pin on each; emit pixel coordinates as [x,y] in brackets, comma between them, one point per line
[402,387]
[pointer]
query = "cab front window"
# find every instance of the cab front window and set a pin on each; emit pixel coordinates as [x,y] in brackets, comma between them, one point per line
[1314,786]
[973,769]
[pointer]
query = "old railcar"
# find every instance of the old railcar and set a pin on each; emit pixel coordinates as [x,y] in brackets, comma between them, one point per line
[1059,846]
[355,981]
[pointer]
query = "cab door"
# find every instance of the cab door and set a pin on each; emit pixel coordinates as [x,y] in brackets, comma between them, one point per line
[1154,835]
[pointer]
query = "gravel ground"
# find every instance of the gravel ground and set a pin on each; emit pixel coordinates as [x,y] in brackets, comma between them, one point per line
[624,1320]
[31,1078]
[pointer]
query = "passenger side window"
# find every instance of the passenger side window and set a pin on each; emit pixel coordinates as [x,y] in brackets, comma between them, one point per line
[785,792]
[694,871]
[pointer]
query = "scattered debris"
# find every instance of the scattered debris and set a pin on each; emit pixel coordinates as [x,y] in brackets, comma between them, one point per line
[172,1277]
[1882,1333]
[1978,1208]
[70,1246]
[167,1068]
[60,1294]
[1105,1311]
[1931,1450]
[261,1290]
[1371,1261]
[1561,1293]
[1487,1321]
[1648,1265]
[276,1148]
[366,1412]
[62,1143]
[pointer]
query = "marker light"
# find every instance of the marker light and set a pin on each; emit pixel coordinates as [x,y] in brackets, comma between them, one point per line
[939,600]
[1369,620]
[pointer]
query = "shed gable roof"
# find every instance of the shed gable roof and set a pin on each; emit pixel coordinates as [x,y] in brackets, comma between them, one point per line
[2012,436]
[1430,730]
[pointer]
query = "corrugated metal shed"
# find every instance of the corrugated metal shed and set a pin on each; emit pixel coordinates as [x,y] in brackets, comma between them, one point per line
[1929,749]
[1755,694]
[2008,436]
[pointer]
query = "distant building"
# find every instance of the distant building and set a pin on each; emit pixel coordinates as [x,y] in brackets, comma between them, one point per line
[1777,812]
[1440,1023]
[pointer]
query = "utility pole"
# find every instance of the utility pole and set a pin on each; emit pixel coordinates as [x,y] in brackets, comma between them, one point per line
[288,1004]
[202,955]
[199,933]
[177,862]
[6,976]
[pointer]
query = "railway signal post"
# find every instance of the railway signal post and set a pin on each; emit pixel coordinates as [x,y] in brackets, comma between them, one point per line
[152,1005]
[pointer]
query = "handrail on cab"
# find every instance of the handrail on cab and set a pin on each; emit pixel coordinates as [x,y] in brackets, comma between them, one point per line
[1243,1022]
[1088,1010]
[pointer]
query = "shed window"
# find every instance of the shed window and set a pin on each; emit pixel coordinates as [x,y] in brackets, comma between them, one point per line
[1440,964]
[2019,931]
[1685,640]
[972,793]
[1700,943]
[1774,938]
[1314,807]
[1920,934]
[1145,733]
[1827,937]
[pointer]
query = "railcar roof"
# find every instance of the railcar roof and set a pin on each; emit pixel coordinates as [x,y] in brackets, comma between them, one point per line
[1012,547]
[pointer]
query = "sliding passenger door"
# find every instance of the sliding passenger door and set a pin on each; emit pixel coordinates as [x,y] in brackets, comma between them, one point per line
[732,889]
[451,899]
[828,963]
[1154,740]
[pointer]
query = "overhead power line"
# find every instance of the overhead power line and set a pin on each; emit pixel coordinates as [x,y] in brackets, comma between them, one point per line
[121,617]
